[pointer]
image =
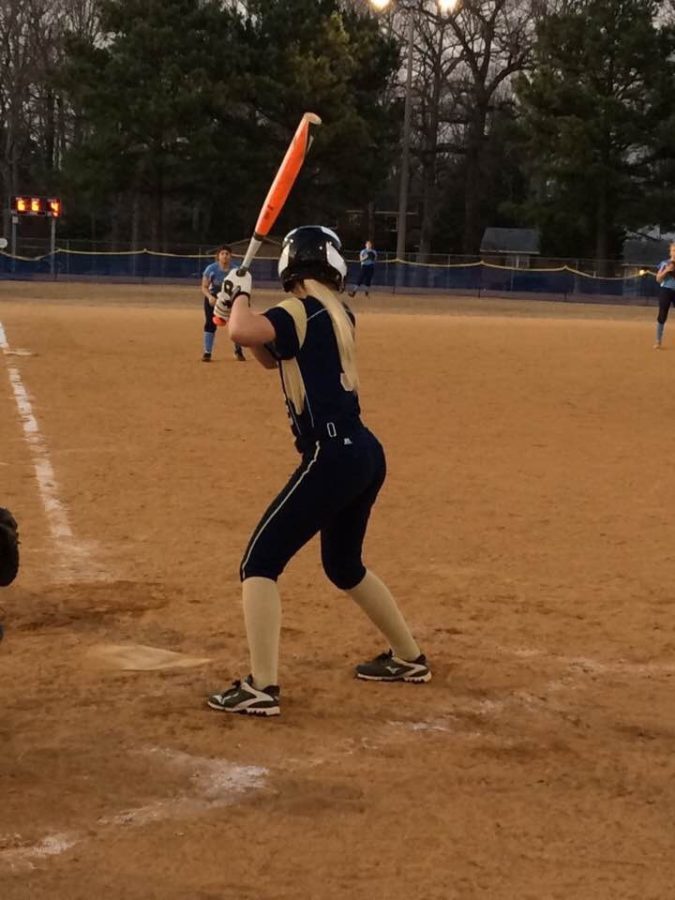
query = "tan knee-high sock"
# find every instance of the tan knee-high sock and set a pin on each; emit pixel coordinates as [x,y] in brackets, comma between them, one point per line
[376,601]
[262,615]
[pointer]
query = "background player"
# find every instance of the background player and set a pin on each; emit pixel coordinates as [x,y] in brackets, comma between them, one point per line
[665,278]
[212,281]
[310,338]
[367,259]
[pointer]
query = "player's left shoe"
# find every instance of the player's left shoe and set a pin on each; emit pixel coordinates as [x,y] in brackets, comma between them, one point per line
[239,354]
[387,667]
[246,699]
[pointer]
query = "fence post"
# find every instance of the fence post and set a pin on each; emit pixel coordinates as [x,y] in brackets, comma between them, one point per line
[15,222]
[52,242]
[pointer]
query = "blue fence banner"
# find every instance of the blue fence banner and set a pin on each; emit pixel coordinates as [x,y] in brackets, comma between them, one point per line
[472,278]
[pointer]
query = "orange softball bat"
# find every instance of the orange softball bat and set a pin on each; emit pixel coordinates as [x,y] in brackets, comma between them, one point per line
[280,189]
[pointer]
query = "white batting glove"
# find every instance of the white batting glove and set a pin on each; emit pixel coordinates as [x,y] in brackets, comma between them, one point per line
[234,286]
[223,306]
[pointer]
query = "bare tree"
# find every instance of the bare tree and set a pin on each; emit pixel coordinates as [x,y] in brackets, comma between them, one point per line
[439,57]
[34,119]
[496,38]
[464,64]
[15,85]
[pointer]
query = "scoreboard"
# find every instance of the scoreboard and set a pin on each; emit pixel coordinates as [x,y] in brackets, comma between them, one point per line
[37,206]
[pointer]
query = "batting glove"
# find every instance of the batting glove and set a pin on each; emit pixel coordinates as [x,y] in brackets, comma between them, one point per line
[234,286]
[222,307]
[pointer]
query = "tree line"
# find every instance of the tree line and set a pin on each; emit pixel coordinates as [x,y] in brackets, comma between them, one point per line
[161,122]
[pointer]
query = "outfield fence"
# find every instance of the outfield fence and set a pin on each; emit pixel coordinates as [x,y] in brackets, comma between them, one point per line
[464,275]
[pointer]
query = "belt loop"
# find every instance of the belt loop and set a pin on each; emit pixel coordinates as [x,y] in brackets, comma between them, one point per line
[331,429]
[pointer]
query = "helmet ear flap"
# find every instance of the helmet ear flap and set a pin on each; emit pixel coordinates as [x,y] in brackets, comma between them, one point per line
[337,262]
[282,265]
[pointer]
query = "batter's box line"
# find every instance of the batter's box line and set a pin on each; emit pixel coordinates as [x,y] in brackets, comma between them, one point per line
[545,700]
[217,783]
[589,665]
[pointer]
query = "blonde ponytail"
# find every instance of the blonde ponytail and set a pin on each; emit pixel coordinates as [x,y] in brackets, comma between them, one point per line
[343,328]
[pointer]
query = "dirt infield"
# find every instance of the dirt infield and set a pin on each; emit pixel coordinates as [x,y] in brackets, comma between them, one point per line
[526,527]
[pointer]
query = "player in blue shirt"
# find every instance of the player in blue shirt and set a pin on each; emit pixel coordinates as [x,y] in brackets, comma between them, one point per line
[309,338]
[665,278]
[212,280]
[367,260]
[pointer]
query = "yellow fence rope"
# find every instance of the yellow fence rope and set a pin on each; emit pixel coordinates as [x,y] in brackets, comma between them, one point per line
[404,262]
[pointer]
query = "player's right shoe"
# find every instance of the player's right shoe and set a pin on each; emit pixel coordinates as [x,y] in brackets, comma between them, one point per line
[247,700]
[387,667]
[206,356]
[657,345]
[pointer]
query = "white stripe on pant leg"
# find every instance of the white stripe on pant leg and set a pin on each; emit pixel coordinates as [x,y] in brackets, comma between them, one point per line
[275,511]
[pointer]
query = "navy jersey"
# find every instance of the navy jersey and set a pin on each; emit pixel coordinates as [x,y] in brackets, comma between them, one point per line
[311,372]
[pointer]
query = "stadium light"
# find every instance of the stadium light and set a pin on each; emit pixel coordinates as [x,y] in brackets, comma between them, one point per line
[445,7]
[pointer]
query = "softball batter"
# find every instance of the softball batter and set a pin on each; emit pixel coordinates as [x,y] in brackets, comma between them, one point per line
[665,278]
[310,339]
[212,281]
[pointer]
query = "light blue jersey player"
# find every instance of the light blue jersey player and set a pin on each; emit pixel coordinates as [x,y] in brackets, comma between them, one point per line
[367,260]
[665,278]
[212,281]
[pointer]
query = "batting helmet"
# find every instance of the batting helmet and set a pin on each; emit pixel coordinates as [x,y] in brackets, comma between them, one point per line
[312,251]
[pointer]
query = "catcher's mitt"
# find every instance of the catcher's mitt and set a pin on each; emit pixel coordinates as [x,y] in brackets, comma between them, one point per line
[9,547]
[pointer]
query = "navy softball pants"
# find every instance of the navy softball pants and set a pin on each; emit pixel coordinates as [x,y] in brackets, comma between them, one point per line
[666,297]
[209,324]
[331,493]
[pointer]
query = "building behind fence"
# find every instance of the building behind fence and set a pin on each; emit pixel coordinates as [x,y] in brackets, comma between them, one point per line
[491,275]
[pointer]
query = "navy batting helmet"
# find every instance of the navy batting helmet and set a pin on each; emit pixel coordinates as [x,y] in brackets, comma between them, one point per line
[312,251]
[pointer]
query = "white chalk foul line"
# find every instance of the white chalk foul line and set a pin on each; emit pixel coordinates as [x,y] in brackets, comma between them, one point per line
[75,554]
[217,783]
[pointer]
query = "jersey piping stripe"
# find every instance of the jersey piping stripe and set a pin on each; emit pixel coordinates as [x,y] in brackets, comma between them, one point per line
[264,524]
[317,313]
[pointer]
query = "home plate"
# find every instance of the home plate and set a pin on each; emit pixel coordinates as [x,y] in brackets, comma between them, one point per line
[140,657]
